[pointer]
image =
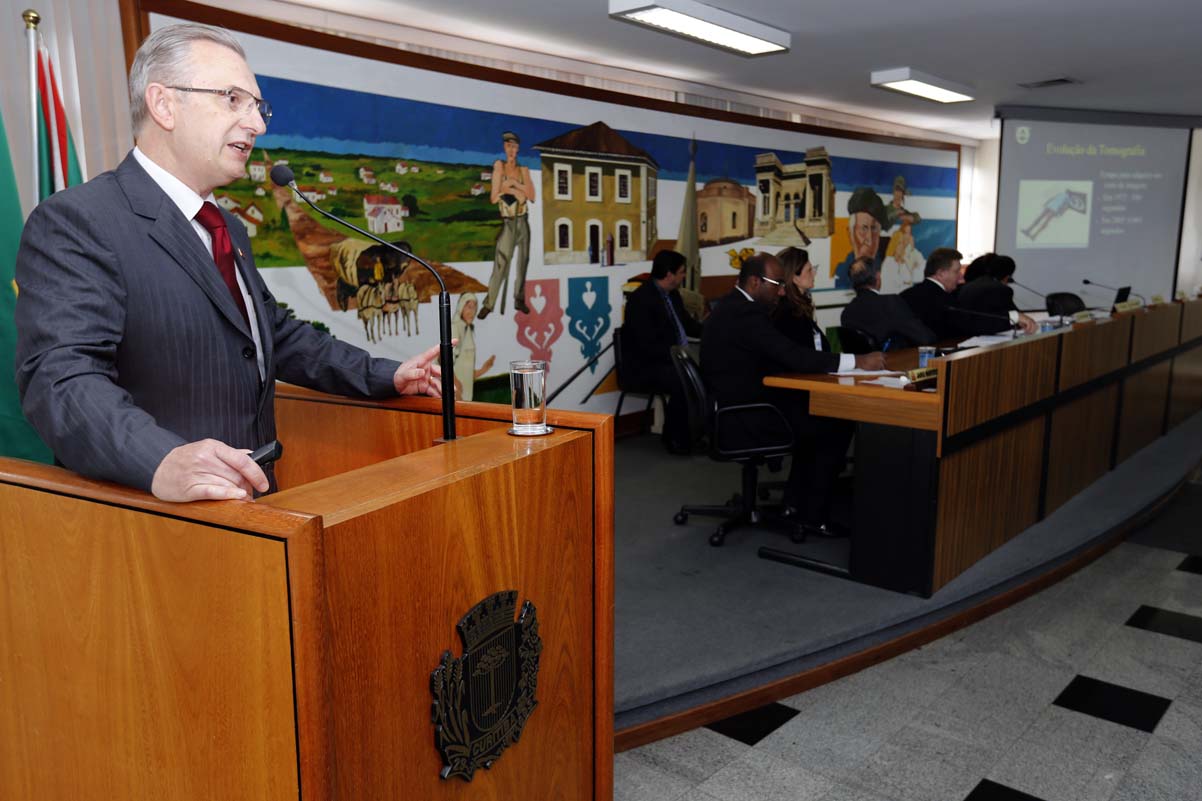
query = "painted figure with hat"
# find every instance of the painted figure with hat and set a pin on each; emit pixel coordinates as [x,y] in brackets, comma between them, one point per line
[896,212]
[512,191]
[866,217]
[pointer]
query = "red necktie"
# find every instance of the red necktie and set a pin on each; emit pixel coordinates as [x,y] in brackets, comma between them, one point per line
[223,251]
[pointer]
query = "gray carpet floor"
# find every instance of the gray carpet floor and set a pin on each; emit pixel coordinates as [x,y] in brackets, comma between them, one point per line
[696,623]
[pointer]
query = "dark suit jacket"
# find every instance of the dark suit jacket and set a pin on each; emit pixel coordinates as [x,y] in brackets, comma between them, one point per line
[799,329]
[988,295]
[648,332]
[887,318]
[938,310]
[129,344]
[739,346]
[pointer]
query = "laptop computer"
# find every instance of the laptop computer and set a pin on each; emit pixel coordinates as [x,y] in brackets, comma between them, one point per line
[1123,293]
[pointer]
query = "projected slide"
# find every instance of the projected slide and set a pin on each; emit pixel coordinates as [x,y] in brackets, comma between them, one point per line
[1101,202]
[1047,204]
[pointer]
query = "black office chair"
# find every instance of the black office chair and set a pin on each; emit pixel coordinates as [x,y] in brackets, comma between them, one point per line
[628,385]
[1064,304]
[704,418]
[852,340]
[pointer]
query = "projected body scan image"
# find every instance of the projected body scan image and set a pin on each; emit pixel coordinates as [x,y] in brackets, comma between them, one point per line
[1054,214]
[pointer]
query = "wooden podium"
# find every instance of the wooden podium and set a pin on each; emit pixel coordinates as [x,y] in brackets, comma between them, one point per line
[284,648]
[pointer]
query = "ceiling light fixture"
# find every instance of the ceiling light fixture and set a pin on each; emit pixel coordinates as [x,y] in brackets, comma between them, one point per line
[703,23]
[912,82]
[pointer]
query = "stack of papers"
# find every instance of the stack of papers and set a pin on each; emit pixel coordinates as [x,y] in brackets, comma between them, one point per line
[856,371]
[986,339]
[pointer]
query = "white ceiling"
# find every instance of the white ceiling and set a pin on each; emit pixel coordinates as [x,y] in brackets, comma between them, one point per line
[1130,56]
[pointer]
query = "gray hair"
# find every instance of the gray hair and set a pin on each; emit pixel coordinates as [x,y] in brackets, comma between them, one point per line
[863,272]
[163,58]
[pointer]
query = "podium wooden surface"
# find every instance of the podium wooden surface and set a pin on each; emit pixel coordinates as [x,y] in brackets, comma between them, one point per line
[283,648]
[1008,435]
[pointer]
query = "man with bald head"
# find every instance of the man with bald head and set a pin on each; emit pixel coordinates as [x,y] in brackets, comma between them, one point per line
[148,346]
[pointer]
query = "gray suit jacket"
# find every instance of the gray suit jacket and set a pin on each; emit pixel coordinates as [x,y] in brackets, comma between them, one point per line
[129,344]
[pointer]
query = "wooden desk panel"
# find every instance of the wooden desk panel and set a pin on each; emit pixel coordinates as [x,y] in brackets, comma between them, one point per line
[1186,398]
[990,382]
[988,492]
[1142,415]
[1191,320]
[849,398]
[1092,350]
[1155,330]
[141,656]
[404,563]
[1081,444]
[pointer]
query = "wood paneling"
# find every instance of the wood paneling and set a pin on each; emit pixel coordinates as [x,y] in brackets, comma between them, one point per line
[988,492]
[1191,320]
[323,439]
[1187,386]
[406,556]
[1092,350]
[852,399]
[141,656]
[991,382]
[1155,330]
[1142,414]
[1081,444]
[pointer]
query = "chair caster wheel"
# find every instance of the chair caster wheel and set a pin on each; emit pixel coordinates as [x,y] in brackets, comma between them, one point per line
[680,518]
[718,537]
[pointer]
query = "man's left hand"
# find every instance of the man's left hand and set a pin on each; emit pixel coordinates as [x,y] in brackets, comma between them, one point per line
[1028,325]
[420,375]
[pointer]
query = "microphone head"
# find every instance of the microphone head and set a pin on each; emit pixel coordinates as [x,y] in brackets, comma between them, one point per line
[1083,280]
[281,175]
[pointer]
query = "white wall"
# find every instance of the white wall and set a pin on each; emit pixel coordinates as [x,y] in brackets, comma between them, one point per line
[977,216]
[1189,266]
[92,82]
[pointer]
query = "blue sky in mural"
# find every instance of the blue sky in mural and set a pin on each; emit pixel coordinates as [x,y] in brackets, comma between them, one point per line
[336,120]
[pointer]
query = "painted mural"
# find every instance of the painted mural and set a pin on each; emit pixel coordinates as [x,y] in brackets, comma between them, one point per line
[536,223]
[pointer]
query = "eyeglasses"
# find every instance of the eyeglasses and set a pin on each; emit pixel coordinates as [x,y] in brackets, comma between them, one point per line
[240,101]
[772,281]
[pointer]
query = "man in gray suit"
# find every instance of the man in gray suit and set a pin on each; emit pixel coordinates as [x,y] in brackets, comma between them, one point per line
[148,346]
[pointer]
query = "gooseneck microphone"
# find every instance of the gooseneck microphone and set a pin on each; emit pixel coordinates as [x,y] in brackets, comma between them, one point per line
[282,176]
[1113,289]
[1029,289]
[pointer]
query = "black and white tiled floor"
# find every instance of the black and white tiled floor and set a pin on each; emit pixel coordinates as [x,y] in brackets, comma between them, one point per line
[1088,691]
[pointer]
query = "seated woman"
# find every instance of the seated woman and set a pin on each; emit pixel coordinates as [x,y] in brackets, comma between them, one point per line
[824,440]
[794,315]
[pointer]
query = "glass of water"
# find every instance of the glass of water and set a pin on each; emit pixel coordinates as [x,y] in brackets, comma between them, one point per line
[528,386]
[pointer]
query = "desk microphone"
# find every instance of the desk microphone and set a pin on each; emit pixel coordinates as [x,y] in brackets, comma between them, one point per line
[1113,289]
[282,176]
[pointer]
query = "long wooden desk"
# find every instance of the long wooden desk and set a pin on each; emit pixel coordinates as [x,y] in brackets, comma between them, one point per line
[1008,435]
[286,648]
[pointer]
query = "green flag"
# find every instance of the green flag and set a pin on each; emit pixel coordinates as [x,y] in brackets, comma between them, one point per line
[17,438]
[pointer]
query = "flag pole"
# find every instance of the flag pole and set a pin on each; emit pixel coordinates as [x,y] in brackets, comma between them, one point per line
[32,18]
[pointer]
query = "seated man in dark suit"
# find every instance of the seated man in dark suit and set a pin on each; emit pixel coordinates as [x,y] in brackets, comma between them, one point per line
[936,304]
[655,321]
[886,318]
[740,346]
[991,294]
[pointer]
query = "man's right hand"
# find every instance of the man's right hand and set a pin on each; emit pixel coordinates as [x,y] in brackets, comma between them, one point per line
[870,361]
[207,470]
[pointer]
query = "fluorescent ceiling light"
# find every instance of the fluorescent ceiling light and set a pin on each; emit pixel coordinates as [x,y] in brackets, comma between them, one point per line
[913,82]
[704,23]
